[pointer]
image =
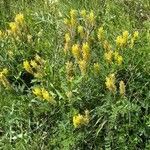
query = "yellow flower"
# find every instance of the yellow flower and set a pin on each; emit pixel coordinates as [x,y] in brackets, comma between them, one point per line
[5,71]
[29,38]
[83,13]
[45,94]
[73,13]
[96,68]
[81,30]
[38,74]
[100,34]
[108,56]
[79,120]
[132,43]
[27,67]
[66,47]
[110,82]
[67,38]
[91,17]
[34,64]
[118,58]
[106,46]
[69,70]
[86,51]
[3,78]
[136,35]
[66,22]
[125,34]
[122,88]
[39,59]
[120,41]
[13,27]
[37,91]
[76,51]
[83,66]
[19,19]
[73,22]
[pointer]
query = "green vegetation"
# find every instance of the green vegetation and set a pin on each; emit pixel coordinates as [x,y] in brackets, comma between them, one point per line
[74,74]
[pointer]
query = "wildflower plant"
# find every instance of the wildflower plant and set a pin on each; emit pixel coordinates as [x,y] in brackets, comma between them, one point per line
[75,78]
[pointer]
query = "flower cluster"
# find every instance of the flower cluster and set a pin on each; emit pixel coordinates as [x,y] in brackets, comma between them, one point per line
[17,24]
[42,93]
[35,66]
[79,25]
[3,79]
[111,84]
[79,120]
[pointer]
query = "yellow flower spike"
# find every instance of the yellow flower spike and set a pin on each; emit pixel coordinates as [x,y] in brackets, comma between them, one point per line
[81,30]
[83,66]
[13,27]
[83,13]
[116,54]
[76,51]
[125,34]
[27,67]
[119,60]
[100,34]
[38,74]
[19,19]
[122,88]
[4,81]
[67,38]
[86,51]
[106,46]
[96,68]
[136,35]
[132,43]
[66,22]
[110,82]
[37,91]
[5,71]
[39,59]
[45,94]
[73,13]
[66,48]
[29,38]
[77,120]
[34,64]
[73,22]
[3,78]
[91,17]
[120,41]
[69,70]
[108,56]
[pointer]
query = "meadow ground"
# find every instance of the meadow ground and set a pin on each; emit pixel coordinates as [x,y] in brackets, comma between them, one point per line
[75,74]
